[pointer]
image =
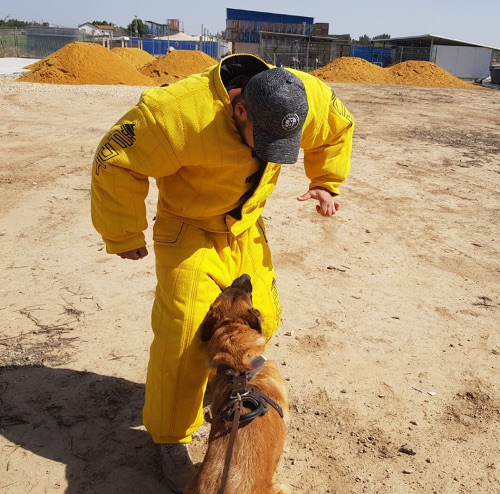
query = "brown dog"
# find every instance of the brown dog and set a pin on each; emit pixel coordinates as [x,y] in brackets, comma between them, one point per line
[233,329]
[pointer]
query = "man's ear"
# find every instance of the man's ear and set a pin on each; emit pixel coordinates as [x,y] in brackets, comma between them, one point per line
[209,323]
[254,319]
[240,111]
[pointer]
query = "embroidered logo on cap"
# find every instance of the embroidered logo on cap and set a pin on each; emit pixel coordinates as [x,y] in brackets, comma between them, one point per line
[290,122]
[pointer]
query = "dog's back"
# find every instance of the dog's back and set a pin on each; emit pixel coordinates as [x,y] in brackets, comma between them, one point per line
[259,442]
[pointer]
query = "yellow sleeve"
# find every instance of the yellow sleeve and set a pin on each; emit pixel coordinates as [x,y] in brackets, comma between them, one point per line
[327,138]
[135,149]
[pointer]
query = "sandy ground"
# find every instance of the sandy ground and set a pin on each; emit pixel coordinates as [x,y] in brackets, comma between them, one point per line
[390,338]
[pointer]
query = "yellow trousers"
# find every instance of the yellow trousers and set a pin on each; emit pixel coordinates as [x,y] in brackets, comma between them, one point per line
[192,266]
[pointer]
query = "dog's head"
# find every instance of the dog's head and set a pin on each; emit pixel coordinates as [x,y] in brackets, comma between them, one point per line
[233,305]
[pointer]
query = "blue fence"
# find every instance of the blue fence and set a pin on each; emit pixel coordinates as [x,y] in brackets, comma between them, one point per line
[160,46]
[376,55]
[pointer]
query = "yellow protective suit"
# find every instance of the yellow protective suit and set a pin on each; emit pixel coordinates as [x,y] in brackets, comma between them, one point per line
[208,228]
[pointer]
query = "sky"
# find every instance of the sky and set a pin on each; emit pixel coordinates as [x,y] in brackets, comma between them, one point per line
[466,20]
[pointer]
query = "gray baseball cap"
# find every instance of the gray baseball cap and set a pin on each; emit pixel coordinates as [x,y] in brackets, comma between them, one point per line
[277,103]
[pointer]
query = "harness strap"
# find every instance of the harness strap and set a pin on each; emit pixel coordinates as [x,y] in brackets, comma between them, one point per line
[263,397]
[243,396]
[238,408]
[255,400]
[227,372]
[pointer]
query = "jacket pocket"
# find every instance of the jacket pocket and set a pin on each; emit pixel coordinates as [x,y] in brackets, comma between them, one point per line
[167,230]
[262,228]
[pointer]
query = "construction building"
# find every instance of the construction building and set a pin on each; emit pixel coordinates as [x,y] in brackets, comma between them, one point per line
[281,39]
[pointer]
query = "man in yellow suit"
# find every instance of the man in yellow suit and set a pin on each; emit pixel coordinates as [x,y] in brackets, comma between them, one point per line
[215,143]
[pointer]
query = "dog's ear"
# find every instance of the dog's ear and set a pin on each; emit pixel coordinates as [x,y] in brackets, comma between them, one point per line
[254,319]
[209,323]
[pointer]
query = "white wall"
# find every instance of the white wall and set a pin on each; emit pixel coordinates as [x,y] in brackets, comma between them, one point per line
[466,62]
[87,29]
[92,30]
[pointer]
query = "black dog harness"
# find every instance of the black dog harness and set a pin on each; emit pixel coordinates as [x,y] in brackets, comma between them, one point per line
[247,395]
[243,395]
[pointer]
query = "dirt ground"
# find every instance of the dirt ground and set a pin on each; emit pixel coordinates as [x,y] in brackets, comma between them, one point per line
[390,339]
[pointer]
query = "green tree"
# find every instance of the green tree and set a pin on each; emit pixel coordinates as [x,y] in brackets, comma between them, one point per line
[102,23]
[364,40]
[382,36]
[13,23]
[137,27]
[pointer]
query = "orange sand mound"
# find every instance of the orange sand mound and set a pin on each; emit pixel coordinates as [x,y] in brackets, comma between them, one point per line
[176,65]
[351,69]
[85,63]
[32,66]
[134,56]
[412,73]
[88,63]
[417,73]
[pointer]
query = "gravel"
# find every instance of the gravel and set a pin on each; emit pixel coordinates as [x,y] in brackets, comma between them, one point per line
[12,68]
[9,85]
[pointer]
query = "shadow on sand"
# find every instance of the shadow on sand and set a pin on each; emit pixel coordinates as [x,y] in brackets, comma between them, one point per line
[85,421]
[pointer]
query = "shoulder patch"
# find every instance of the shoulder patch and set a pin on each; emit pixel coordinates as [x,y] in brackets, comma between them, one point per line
[340,108]
[123,137]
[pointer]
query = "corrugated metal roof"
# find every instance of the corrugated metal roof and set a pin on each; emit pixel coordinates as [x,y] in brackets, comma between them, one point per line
[254,16]
[428,39]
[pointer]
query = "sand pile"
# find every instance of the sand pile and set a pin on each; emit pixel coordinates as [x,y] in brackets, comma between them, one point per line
[176,65]
[351,69]
[89,63]
[134,56]
[412,73]
[416,73]
[85,63]
[32,66]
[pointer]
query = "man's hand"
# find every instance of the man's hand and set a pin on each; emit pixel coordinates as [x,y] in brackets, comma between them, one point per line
[134,254]
[327,206]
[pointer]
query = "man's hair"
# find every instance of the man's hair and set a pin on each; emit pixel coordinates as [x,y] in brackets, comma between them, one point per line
[238,98]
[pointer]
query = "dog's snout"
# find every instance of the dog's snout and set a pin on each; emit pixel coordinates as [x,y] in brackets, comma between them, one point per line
[244,282]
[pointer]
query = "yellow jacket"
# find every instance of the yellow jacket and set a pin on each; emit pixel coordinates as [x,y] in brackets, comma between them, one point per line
[185,137]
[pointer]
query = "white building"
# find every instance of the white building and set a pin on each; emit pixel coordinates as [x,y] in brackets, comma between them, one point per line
[461,58]
[96,31]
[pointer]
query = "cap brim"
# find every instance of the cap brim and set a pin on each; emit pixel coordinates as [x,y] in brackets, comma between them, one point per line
[283,150]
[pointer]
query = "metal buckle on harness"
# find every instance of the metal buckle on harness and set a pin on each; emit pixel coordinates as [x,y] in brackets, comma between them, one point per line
[256,407]
[239,386]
